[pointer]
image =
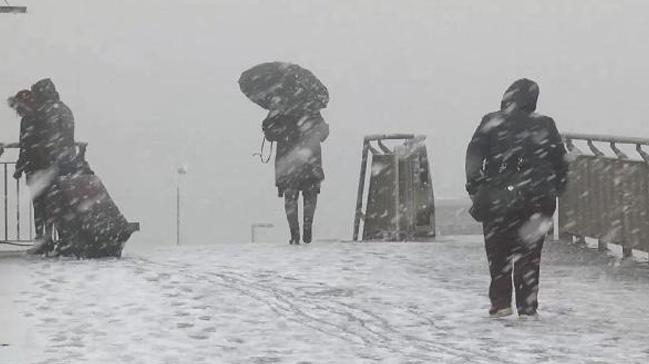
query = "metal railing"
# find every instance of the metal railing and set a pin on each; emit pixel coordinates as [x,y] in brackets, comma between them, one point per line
[14,199]
[607,195]
[8,9]
[399,203]
[17,221]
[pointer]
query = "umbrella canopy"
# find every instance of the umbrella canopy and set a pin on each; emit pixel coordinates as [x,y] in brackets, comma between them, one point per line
[284,87]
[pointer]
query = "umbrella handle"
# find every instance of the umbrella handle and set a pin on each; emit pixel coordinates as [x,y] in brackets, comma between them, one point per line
[261,151]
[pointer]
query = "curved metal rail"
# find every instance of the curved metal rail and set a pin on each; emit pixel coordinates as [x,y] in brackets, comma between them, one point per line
[613,142]
[607,196]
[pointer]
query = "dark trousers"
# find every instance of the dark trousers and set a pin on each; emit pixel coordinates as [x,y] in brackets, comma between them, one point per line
[291,207]
[40,216]
[514,249]
[39,203]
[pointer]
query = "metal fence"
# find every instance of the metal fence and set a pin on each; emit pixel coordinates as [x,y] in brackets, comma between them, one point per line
[399,203]
[17,221]
[607,195]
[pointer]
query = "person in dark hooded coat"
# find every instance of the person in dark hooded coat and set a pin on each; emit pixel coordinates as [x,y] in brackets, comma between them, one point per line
[516,159]
[298,164]
[57,127]
[54,123]
[31,157]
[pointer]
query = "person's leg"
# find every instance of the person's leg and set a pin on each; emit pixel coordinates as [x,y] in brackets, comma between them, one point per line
[44,209]
[57,229]
[530,238]
[498,248]
[290,206]
[40,216]
[38,208]
[526,278]
[42,243]
[310,203]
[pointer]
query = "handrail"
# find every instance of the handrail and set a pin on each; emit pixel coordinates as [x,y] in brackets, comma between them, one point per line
[612,141]
[606,138]
[388,136]
[16,145]
[606,195]
[81,145]
[8,9]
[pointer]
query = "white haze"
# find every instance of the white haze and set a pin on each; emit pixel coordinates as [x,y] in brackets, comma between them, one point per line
[153,85]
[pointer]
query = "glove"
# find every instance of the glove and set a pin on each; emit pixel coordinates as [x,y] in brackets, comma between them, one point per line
[18,174]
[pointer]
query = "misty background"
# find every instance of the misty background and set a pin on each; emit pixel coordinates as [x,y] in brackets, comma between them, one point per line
[153,86]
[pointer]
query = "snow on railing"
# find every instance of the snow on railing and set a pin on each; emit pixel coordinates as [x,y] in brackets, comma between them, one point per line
[607,195]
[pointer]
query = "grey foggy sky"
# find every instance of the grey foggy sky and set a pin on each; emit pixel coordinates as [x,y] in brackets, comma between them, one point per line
[152,84]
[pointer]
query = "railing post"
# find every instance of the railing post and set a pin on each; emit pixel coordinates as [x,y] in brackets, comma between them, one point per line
[561,222]
[627,252]
[562,214]
[30,218]
[361,189]
[602,245]
[18,209]
[6,202]
[178,214]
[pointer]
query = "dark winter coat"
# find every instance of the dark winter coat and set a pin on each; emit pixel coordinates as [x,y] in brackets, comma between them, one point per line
[33,155]
[298,161]
[56,125]
[517,145]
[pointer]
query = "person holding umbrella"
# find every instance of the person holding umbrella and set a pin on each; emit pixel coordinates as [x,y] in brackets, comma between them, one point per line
[298,164]
[294,97]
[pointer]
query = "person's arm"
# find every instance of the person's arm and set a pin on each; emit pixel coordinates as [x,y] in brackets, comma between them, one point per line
[22,162]
[475,156]
[66,128]
[314,128]
[273,130]
[323,130]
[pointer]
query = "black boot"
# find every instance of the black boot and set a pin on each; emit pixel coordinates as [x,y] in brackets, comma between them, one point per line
[307,234]
[290,205]
[310,202]
[295,236]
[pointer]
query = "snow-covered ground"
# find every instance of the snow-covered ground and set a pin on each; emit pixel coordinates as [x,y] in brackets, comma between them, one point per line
[324,303]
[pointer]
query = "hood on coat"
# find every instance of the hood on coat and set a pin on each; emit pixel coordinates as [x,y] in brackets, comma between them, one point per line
[521,95]
[44,90]
[22,102]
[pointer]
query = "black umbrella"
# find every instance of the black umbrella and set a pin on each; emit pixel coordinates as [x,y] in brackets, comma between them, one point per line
[283,87]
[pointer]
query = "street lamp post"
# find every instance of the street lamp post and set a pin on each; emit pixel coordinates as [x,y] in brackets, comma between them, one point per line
[181,171]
